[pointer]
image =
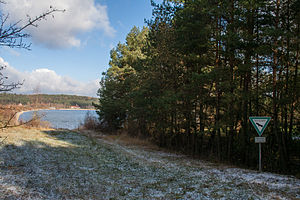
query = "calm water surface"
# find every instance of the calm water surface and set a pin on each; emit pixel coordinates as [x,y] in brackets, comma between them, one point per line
[68,119]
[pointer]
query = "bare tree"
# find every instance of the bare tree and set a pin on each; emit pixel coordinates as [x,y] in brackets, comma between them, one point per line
[36,91]
[12,35]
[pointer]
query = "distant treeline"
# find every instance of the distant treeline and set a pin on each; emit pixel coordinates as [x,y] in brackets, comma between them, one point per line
[194,76]
[51,100]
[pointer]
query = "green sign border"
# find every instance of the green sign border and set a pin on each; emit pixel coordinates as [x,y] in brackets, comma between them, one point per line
[262,130]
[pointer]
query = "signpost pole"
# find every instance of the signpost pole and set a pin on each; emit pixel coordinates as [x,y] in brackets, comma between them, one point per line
[259,157]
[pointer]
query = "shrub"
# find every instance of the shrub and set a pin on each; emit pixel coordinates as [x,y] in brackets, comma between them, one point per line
[37,122]
[90,122]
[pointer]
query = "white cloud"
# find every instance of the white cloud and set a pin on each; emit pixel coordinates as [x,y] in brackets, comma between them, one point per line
[48,82]
[62,30]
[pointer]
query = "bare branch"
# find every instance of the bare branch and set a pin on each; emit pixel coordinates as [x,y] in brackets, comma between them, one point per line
[7,124]
[6,87]
[3,140]
[12,35]
[18,125]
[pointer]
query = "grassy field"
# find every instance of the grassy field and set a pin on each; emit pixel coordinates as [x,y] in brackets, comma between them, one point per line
[53,164]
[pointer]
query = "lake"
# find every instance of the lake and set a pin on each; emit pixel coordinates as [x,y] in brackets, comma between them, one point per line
[67,119]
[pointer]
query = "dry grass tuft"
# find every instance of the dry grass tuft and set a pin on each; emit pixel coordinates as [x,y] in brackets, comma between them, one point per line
[122,138]
[126,139]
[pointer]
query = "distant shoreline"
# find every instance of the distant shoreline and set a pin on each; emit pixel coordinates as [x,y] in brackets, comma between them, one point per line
[18,114]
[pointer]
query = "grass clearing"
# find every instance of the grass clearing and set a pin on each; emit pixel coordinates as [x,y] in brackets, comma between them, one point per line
[57,164]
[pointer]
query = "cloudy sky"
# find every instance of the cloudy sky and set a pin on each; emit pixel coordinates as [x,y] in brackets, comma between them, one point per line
[69,51]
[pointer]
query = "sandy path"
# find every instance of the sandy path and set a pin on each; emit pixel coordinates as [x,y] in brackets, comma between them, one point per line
[17,116]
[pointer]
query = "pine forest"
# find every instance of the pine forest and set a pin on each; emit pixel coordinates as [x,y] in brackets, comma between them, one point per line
[193,76]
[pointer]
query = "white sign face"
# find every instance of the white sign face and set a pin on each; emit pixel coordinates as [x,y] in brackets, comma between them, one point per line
[260,123]
[260,139]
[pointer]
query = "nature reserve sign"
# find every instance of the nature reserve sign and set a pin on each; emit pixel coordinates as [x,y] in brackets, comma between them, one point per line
[260,123]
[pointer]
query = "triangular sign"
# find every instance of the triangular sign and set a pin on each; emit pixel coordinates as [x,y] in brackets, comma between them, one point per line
[260,123]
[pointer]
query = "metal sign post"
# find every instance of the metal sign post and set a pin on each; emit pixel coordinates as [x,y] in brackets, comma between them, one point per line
[259,157]
[260,123]
[259,140]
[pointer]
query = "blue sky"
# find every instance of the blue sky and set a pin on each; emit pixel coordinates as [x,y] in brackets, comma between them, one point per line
[74,47]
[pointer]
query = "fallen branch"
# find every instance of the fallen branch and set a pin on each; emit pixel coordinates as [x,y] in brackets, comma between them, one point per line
[7,124]
[3,140]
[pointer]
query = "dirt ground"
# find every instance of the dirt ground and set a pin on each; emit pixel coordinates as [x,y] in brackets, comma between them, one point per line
[60,164]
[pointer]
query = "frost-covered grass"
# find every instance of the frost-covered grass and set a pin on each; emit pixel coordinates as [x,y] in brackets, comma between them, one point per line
[38,164]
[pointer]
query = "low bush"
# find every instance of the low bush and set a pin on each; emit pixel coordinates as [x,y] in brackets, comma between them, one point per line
[36,122]
[90,122]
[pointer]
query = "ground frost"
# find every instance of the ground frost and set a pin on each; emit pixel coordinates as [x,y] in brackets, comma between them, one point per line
[65,165]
